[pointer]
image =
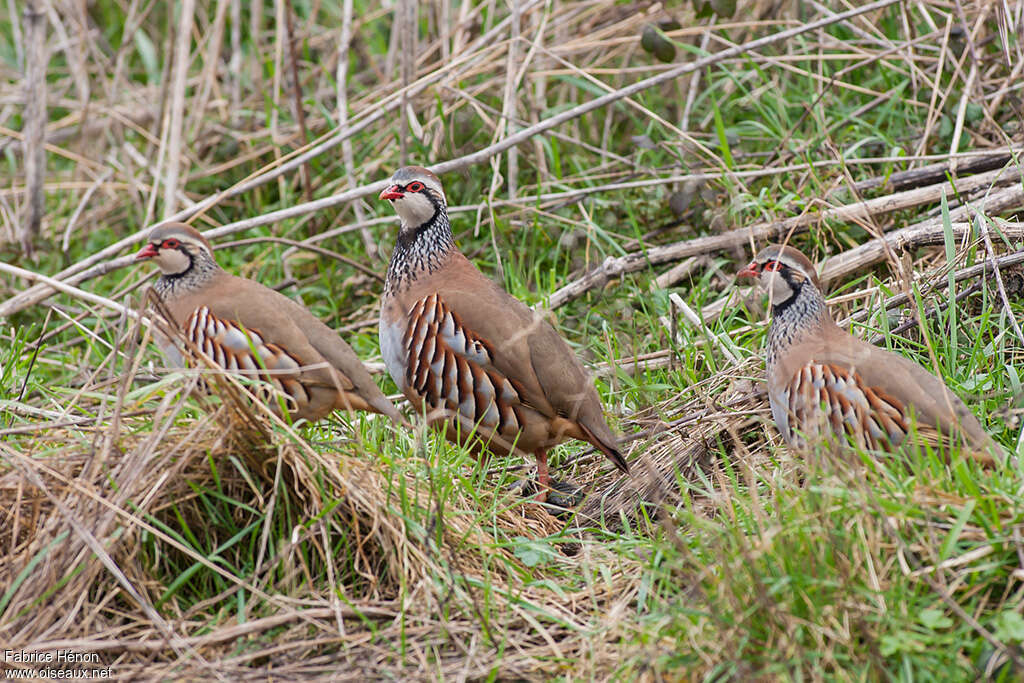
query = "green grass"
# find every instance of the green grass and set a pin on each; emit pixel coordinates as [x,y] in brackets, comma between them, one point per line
[753,564]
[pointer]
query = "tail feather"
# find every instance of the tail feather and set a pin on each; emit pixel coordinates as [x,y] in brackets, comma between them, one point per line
[609,450]
[383,406]
[616,457]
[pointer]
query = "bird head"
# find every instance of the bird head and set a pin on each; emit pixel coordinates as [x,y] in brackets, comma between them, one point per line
[782,271]
[175,247]
[416,194]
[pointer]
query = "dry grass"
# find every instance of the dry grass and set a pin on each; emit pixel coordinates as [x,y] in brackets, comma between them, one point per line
[77,511]
[187,537]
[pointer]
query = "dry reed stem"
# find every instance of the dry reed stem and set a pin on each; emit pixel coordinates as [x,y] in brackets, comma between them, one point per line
[36,294]
[999,201]
[36,57]
[175,118]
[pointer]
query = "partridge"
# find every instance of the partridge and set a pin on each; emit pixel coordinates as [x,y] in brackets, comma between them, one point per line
[825,385]
[250,329]
[478,362]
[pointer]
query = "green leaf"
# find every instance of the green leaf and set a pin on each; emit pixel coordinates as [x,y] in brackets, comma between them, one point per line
[950,243]
[958,528]
[934,619]
[584,85]
[654,41]
[147,52]
[723,139]
[1009,626]
[973,112]
[945,127]
[530,552]
[900,642]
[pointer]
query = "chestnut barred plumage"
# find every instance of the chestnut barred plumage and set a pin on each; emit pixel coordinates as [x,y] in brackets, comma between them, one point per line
[477,361]
[247,328]
[825,385]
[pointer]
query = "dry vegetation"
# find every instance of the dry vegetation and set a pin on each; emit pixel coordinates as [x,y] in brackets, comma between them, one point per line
[182,536]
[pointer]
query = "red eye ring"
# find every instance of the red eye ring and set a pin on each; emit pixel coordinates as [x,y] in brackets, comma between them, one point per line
[772,266]
[414,186]
[170,243]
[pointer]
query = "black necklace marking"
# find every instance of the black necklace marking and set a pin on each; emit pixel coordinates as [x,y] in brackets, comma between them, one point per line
[200,270]
[795,317]
[796,286]
[191,265]
[421,249]
[406,238]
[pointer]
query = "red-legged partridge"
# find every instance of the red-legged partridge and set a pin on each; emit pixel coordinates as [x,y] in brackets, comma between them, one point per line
[476,360]
[232,320]
[824,384]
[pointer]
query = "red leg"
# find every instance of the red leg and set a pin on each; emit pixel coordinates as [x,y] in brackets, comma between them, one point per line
[543,479]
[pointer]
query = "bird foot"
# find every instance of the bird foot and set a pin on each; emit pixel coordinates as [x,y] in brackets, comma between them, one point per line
[559,498]
[565,496]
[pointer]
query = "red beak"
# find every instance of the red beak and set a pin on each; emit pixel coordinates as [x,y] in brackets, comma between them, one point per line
[752,270]
[391,193]
[148,251]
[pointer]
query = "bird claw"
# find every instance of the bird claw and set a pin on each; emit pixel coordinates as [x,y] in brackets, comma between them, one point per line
[564,496]
[561,497]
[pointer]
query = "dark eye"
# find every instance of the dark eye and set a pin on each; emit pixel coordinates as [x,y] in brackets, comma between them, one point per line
[773,266]
[170,244]
[414,186]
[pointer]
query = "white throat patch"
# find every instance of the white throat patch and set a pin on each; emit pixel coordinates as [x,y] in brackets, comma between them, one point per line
[172,262]
[778,289]
[414,209]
